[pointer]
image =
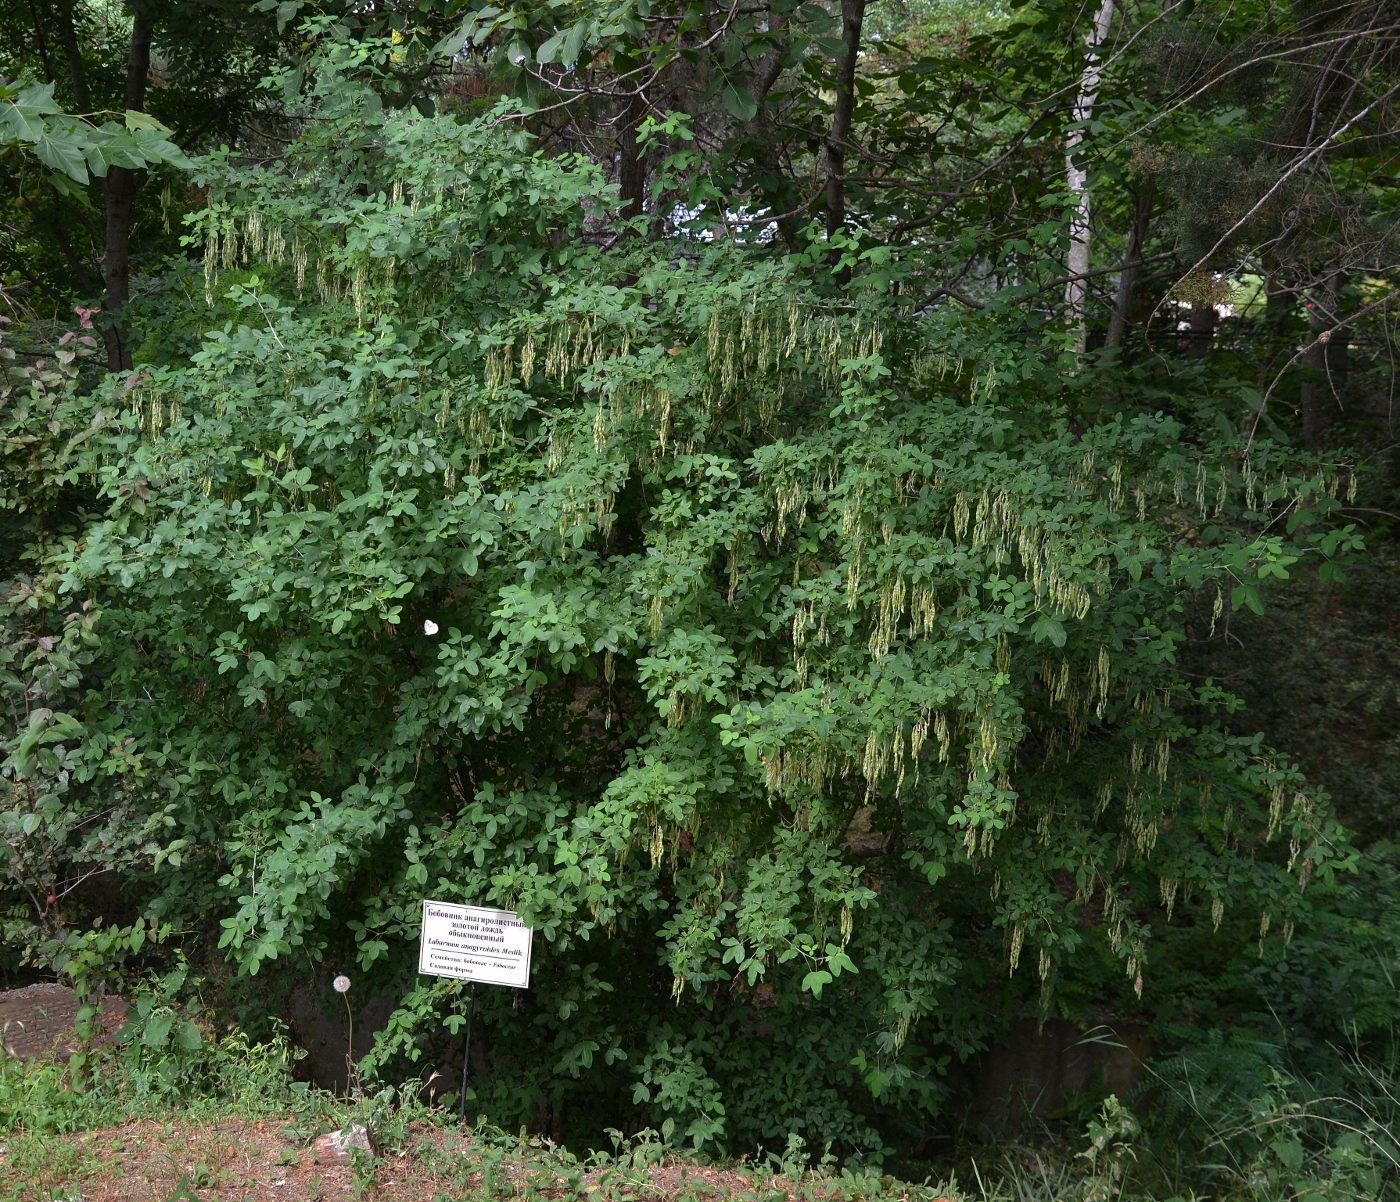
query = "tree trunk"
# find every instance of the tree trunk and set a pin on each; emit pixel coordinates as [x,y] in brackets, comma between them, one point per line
[1324,369]
[834,154]
[1201,325]
[119,195]
[68,37]
[1313,400]
[1077,290]
[776,183]
[631,175]
[1132,267]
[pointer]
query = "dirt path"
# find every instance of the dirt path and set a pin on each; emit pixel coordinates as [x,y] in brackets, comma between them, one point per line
[239,1160]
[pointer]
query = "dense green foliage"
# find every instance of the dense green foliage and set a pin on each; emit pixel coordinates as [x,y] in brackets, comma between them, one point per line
[789,694]
[72,149]
[828,678]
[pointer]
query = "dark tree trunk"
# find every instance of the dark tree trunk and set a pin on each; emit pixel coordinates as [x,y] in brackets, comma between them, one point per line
[776,182]
[1324,370]
[68,38]
[54,219]
[1314,399]
[1132,267]
[852,17]
[1202,322]
[119,195]
[632,175]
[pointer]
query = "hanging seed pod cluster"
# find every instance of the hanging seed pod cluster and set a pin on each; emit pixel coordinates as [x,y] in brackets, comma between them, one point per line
[791,661]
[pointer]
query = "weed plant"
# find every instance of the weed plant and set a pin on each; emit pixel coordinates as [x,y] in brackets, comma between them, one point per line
[1234,1118]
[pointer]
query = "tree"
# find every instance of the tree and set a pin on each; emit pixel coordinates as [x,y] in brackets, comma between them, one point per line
[183,73]
[1206,136]
[1077,288]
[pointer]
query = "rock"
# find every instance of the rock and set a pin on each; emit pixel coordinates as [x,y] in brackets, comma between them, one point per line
[38,1021]
[338,1146]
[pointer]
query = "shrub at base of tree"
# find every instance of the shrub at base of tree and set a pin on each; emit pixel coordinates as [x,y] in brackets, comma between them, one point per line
[802,670]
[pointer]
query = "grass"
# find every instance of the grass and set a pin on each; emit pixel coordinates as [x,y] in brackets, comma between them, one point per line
[229,1121]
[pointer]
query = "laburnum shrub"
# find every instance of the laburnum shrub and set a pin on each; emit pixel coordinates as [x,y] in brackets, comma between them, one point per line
[808,686]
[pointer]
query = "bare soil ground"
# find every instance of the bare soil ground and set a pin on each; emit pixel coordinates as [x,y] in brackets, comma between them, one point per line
[256,1161]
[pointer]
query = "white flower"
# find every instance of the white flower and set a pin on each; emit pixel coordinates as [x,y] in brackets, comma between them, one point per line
[341,984]
[430,627]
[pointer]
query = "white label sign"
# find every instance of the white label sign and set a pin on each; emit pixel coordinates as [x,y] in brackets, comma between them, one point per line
[473,943]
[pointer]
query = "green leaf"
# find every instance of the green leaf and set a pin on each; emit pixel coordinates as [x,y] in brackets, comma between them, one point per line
[738,103]
[156,1033]
[549,49]
[1289,1152]
[573,42]
[1049,629]
[135,119]
[286,12]
[25,114]
[1246,595]
[67,156]
[19,123]
[838,961]
[877,1080]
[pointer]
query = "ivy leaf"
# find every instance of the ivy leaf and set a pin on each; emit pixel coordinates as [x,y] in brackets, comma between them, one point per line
[815,981]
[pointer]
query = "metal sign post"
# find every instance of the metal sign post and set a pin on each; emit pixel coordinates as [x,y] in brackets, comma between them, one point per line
[466,1055]
[474,943]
